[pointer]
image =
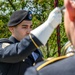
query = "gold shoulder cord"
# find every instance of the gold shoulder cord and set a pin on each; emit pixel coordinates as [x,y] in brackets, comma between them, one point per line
[33,41]
[53,60]
[69,44]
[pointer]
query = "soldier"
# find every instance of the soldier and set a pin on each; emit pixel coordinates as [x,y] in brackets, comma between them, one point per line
[63,65]
[19,51]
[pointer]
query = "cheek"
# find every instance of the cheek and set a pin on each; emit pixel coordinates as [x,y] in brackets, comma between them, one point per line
[66,2]
[22,32]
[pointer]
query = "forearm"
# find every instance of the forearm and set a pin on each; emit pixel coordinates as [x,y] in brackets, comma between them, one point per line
[19,51]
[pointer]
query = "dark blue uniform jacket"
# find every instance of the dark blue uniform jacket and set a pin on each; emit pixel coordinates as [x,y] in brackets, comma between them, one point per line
[61,67]
[16,57]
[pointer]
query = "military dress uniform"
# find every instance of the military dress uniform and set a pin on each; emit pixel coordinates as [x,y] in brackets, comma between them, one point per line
[63,65]
[17,57]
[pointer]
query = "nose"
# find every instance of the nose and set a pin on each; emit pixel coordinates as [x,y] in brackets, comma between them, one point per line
[28,31]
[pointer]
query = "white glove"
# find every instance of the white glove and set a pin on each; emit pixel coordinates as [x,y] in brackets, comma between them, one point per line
[55,17]
[44,31]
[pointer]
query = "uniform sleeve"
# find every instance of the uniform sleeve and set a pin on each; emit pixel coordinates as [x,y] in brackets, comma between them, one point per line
[58,67]
[39,56]
[12,53]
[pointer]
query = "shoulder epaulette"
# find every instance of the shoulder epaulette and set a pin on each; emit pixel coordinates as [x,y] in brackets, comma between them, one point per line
[67,45]
[5,40]
[53,60]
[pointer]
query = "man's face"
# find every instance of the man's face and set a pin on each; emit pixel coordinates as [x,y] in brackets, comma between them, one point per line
[22,30]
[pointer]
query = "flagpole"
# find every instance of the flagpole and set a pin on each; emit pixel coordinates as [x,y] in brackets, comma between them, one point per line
[58,31]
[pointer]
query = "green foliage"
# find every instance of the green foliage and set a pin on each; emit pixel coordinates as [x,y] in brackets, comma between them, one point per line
[4,32]
[41,10]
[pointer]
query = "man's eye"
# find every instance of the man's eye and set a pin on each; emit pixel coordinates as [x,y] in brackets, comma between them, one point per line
[30,26]
[24,27]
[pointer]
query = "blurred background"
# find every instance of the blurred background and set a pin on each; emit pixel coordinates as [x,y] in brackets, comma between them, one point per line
[40,10]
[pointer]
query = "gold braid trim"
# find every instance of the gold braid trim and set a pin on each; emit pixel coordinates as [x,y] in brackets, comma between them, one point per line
[53,60]
[69,44]
[33,41]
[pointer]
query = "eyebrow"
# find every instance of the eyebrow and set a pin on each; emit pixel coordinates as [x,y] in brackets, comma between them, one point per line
[26,25]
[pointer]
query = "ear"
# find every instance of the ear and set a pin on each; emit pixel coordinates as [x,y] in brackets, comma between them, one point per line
[11,29]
